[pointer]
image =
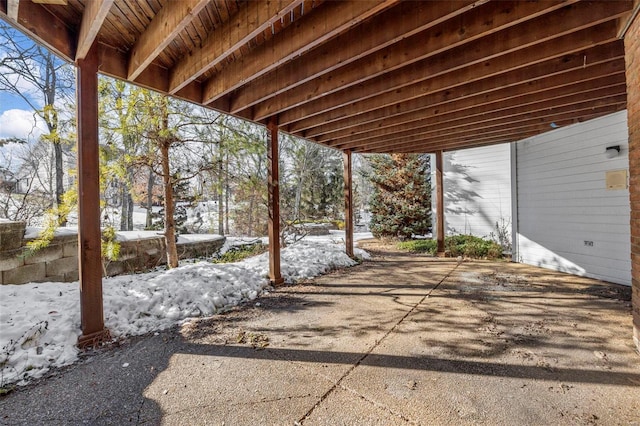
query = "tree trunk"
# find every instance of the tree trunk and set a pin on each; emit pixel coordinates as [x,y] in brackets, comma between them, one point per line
[298,200]
[57,149]
[220,195]
[169,221]
[129,201]
[130,212]
[226,195]
[250,221]
[296,206]
[124,206]
[150,182]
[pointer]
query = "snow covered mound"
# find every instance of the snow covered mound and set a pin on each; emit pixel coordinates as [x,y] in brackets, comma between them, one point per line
[304,259]
[40,322]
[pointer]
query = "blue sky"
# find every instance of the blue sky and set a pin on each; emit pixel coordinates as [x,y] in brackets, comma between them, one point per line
[10,101]
[16,116]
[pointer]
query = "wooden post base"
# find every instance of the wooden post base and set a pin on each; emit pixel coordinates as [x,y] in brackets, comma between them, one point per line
[277,282]
[94,340]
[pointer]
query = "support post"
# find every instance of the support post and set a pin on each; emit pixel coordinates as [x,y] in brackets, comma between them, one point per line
[632,59]
[348,202]
[439,205]
[89,238]
[275,276]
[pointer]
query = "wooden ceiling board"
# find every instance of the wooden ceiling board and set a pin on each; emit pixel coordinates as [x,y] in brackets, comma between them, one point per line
[366,76]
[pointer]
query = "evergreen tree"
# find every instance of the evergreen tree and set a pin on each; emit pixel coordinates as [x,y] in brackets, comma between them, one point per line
[401,199]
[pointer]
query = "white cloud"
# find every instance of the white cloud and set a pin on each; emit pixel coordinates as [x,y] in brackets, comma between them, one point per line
[19,123]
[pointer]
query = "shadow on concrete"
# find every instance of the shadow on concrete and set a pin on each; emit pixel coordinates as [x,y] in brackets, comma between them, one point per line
[486,320]
[425,363]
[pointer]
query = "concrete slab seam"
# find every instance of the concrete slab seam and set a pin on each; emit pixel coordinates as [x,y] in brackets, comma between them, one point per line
[375,345]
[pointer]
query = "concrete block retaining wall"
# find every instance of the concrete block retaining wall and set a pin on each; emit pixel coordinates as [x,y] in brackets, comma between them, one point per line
[59,261]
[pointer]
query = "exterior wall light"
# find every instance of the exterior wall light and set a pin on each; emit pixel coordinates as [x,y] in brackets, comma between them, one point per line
[612,151]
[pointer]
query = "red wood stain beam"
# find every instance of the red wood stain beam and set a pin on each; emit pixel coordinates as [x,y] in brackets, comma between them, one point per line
[348,202]
[89,237]
[439,204]
[275,276]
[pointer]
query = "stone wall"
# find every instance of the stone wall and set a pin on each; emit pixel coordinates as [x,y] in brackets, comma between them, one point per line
[145,254]
[59,261]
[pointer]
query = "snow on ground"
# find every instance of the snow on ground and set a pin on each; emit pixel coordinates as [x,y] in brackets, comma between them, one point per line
[40,322]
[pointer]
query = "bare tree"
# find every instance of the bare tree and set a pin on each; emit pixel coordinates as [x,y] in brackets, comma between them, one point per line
[43,81]
[21,183]
[168,125]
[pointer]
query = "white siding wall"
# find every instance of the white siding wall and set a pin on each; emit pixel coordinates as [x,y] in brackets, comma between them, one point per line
[477,190]
[563,202]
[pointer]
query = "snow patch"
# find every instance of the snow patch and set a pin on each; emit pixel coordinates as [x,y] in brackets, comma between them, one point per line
[40,322]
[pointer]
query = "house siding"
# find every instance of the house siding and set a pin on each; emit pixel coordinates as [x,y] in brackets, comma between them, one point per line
[477,190]
[563,204]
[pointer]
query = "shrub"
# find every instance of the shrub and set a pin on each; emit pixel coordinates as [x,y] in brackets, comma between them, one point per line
[470,246]
[236,254]
[456,245]
[419,246]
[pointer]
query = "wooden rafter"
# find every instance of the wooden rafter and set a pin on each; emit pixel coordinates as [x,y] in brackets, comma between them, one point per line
[461,97]
[440,39]
[453,140]
[92,19]
[351,74]
[250,21]
[499,55]
[35,20]
[484,108]
[412,18]
[489,122]
[333,19]
[554,57]
[165,26]
[12,9]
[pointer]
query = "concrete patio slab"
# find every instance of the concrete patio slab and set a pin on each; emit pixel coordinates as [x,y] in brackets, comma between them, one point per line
[402,339]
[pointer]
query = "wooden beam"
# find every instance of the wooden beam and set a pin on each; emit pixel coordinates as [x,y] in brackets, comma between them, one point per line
[522,66]
[496,55]
[481,125]
[43,27]
[471,96]
[89,236]
[508,25]
[440,234]
[403,20]
[12,9]
[331,19]
[275,276]
[348,202]
[480,142]
[95,12]
[626,21]
[485,115]
[507,133]
[252,19]
[448,140]
[163,28]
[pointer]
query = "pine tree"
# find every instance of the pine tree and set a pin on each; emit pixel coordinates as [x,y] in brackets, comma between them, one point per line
[401,199]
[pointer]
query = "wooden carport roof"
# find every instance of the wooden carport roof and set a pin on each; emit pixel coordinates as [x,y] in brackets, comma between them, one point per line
[361,76]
